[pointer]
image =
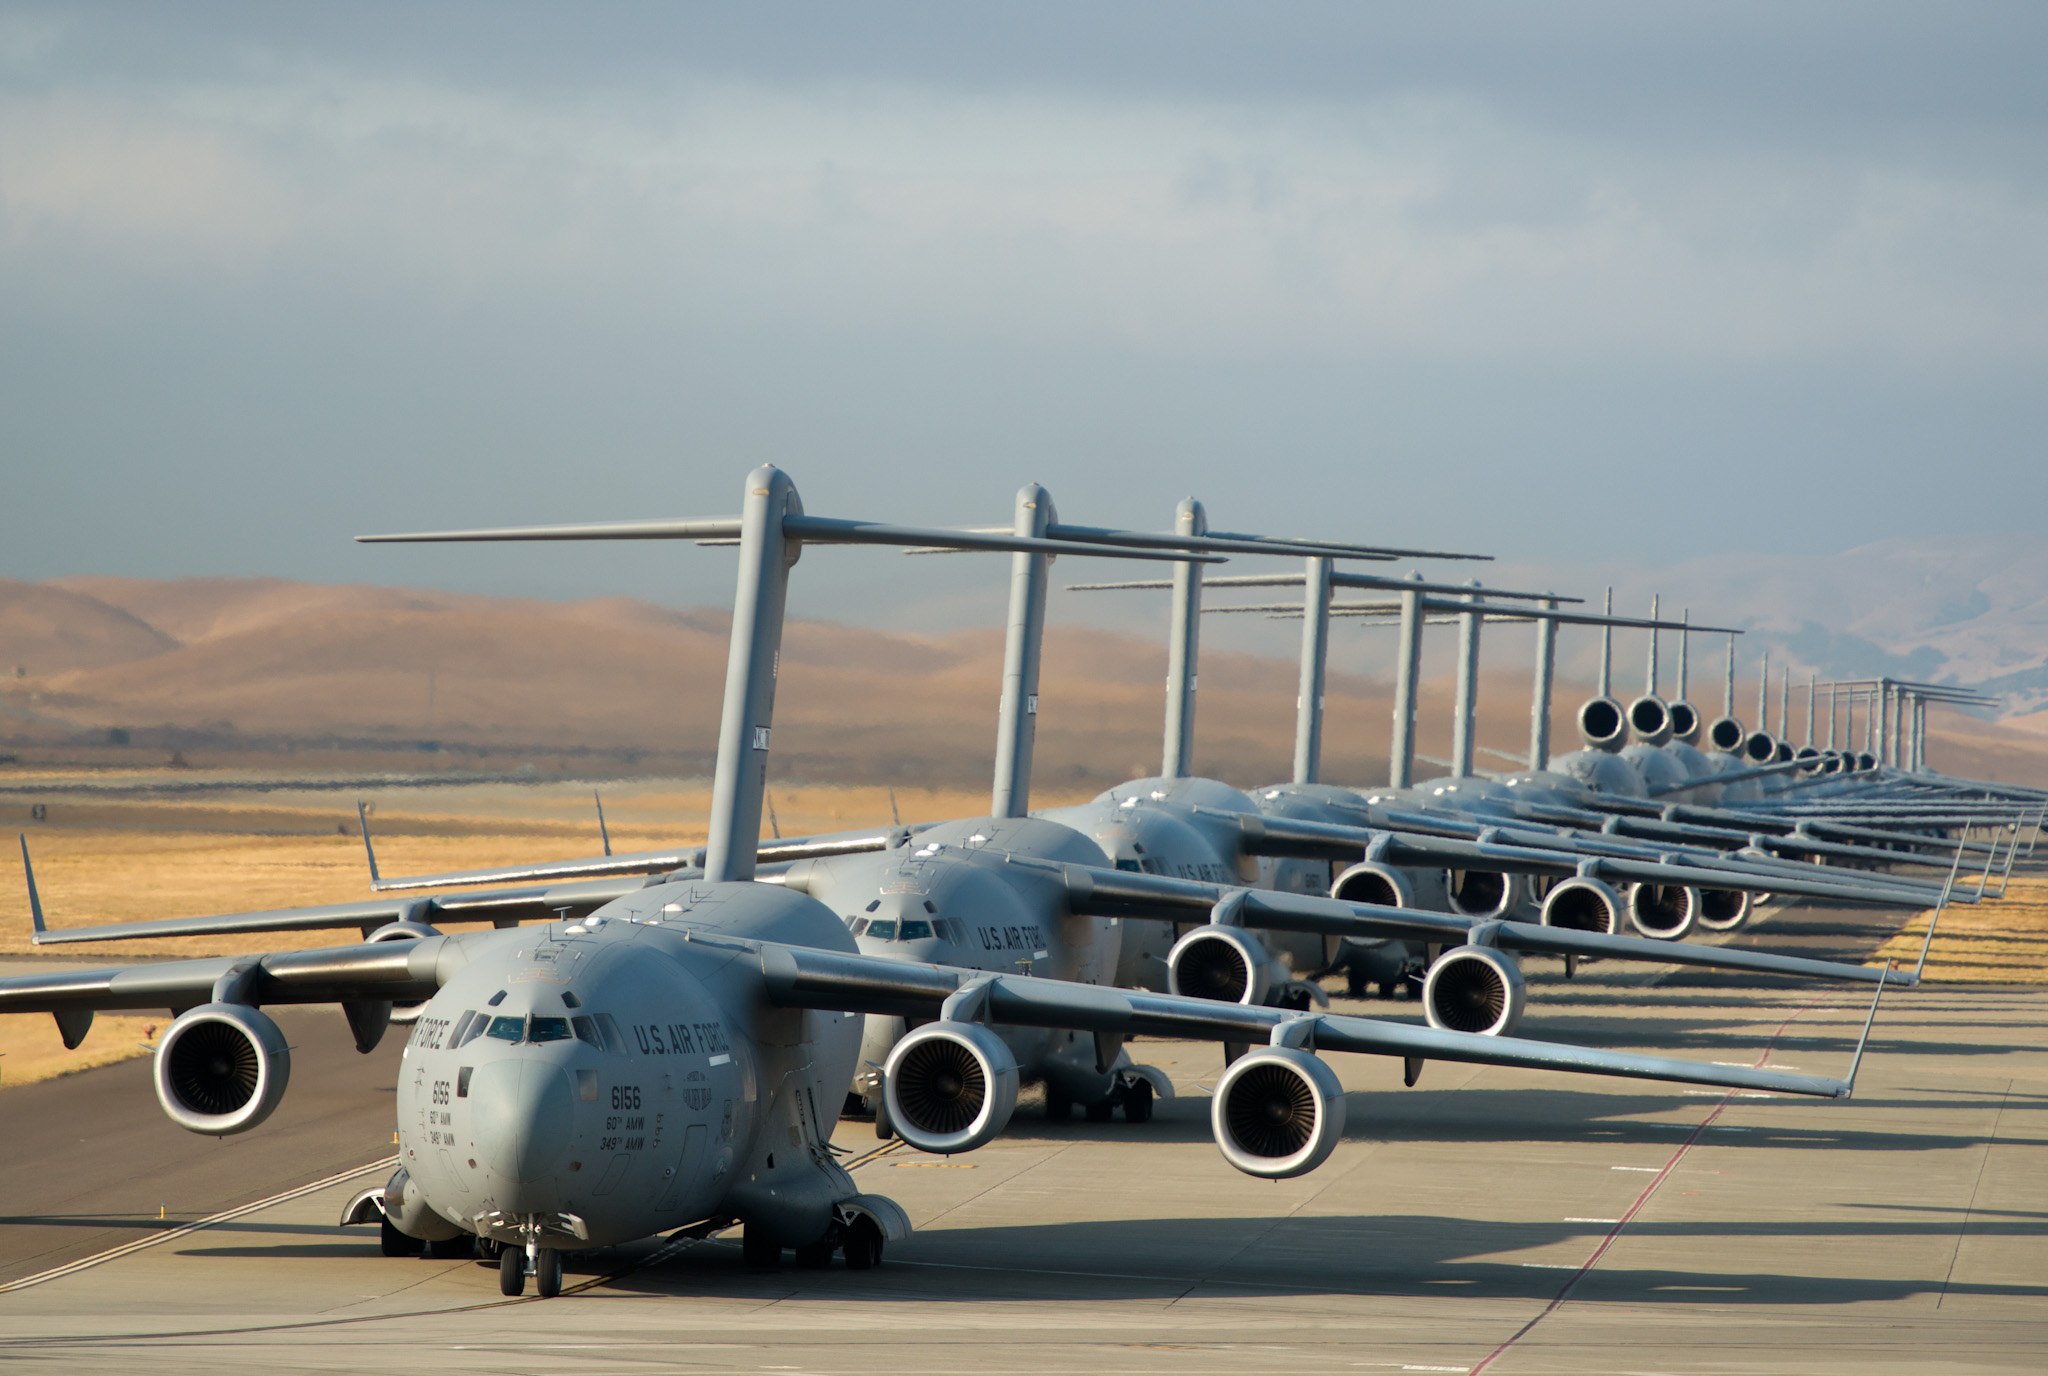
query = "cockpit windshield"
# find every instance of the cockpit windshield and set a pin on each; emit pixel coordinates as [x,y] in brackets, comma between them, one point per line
[507,1029]
[548,1030]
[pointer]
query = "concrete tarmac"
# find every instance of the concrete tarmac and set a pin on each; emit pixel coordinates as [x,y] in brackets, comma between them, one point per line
[1496,1220]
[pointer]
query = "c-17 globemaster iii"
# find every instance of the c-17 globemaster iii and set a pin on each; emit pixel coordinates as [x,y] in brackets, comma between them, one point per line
[669,1058]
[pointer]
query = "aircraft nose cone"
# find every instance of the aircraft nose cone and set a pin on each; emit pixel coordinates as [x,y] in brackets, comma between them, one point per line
[520,1111]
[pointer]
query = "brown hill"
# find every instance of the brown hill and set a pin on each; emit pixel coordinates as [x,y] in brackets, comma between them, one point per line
[255,671]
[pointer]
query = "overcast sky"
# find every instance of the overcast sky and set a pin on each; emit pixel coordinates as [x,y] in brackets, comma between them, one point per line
[1646,280]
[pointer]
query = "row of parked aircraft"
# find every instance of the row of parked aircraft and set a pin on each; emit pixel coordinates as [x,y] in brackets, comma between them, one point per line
[635,1044]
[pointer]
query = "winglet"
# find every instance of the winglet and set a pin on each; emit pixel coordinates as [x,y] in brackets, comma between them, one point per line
[363,816]
[1849,1084]
[35,901]
[602,830]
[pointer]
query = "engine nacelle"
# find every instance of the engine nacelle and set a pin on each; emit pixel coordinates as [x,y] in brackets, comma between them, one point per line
[222,1068]
[1217,962]
[1663,912]
[1485,893]
[1685,722]
[1759,747]
[1583,905]
[1723,910]
[1726,735]
[1277,1112]
[1475,989]
[1649,720]
[1602,725]
[1370,882]
[950,1087]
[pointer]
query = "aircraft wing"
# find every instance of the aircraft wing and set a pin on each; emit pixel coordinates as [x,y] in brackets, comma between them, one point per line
[652,861]
[503,907]
[1287,836]
[397,970]
[1120,893]
[799,977]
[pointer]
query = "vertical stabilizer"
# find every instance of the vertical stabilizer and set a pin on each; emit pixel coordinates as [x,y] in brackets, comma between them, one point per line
[1183,648]
[1464,718]
[751,665]
[1539,702]
[1650,682]
[1017,718]
[1607,648]
[1315,660]
[1407,668]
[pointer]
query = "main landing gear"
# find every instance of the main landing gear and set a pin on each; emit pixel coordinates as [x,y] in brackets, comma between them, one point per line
[859,1241]
[1132,1094]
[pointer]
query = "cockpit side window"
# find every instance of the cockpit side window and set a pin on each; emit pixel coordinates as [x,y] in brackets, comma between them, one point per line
[586,1031]
[461,1026]
[548,1030]
[507,1029]
[614,1040]
[469,1029]
[859,925]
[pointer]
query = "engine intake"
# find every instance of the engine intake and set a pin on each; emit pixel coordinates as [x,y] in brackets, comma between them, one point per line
[1484,893]
[1663,912]
[1649,720]
[1602,725]
[950,1087]
[222,1068]
[1277,1112]
[1374,883]
[1218,962]
[1474,989]
[1723,910]
[1583,905]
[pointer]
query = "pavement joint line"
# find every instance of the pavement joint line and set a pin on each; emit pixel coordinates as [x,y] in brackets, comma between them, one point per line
[1650,1188]
[1990,1142]
[227,1216]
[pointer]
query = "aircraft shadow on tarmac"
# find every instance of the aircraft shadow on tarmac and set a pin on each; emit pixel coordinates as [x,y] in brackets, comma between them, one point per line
[1560,1116]
[1406,1255]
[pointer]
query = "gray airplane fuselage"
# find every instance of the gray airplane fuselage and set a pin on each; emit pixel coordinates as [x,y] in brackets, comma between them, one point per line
[619,1076]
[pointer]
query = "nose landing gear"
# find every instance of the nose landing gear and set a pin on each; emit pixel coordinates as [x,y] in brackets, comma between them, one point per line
[545,1263]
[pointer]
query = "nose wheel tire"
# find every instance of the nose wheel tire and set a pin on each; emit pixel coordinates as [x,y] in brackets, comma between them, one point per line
[547,1280]
[862,1245]
[512,1271]
[1138,1102]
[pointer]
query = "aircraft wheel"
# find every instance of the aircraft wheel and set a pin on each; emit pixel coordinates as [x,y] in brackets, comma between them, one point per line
[1138,1102]
[512,1271]
[397,1244]
[1102,1112]
[818,1254]
[461,1247]
[1058,1107]
[547,1281]
[1390,988]
[863,1245]
[488,1249]
[759,1251]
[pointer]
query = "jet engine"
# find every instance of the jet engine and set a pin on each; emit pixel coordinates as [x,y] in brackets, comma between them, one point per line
[949,1087]
[1485,893]
[1218,962]
[1663,912]
[1602,725]
[1277,1112]
[1685,722]
[1474,989]
[1759,747]
[1374,883]
[1649,720]
[1725,735]
[1583,905]
[1723,910]
[221,1068]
